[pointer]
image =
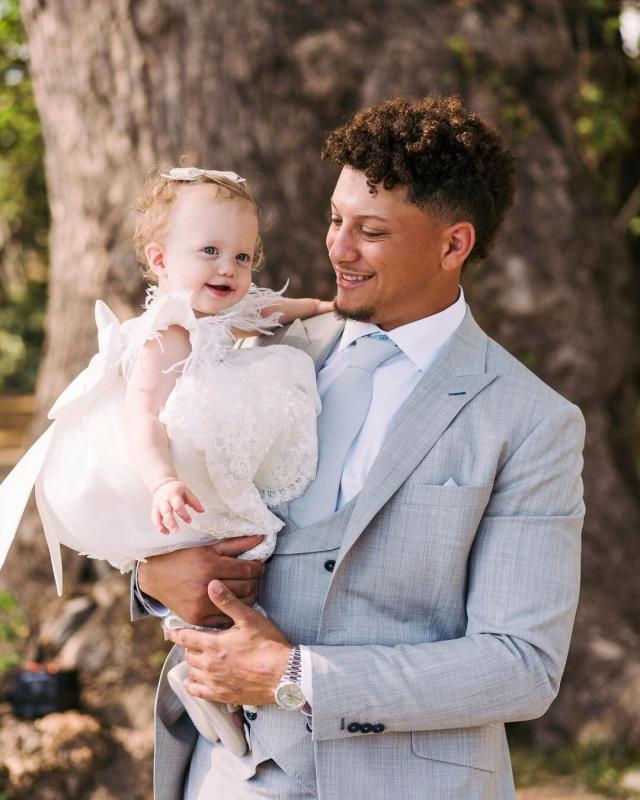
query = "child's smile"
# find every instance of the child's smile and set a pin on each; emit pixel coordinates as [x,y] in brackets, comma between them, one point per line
[222,290]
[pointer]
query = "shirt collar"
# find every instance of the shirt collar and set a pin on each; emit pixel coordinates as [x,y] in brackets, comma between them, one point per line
[418,340]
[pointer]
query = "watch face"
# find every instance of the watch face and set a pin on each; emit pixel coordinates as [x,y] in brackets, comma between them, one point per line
[289,695]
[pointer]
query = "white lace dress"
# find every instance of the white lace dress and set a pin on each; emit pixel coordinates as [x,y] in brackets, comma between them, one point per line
[241,424]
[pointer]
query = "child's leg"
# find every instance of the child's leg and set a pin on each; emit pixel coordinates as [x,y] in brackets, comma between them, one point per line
[212,720]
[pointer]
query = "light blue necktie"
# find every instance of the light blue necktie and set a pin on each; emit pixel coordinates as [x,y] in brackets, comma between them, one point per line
[344,410]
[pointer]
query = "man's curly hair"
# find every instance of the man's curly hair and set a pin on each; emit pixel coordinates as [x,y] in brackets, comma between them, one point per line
[453,163]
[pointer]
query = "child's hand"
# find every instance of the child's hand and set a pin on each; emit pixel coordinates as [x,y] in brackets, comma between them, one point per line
[171,498]
[325,306]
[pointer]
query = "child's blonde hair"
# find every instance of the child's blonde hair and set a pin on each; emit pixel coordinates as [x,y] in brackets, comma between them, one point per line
[156,201]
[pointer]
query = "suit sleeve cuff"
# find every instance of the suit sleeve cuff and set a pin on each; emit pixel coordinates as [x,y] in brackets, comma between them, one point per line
[305,678]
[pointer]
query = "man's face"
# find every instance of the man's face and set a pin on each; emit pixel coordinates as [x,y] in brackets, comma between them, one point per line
[387,255]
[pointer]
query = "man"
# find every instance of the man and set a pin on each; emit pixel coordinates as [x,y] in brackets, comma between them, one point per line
[430,572]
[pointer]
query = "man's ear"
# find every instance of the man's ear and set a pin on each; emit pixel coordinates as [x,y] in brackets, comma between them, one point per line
[155,258]
[459,241]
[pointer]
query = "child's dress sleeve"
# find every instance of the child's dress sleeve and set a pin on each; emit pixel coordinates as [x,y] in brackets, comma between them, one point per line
[161,312]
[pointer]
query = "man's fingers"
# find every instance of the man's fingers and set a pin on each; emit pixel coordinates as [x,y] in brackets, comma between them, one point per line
[241,588]
[198,690]
[227,568]
[237,545]
[195,659]
[228,602]
[195,641]
[217,621]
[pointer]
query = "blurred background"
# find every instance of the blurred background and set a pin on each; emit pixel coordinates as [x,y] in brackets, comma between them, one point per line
[93,93]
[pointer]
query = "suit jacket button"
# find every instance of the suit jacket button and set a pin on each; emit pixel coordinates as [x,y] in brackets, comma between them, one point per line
[378,728]
[353,727]
[330,565]
[366,727]
[251,715]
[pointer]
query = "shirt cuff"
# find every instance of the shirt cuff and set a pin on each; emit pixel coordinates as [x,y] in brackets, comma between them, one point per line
[149,604]
[305,677]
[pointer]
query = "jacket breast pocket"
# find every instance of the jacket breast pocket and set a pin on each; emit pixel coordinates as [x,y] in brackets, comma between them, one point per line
[428,494]
[477,747]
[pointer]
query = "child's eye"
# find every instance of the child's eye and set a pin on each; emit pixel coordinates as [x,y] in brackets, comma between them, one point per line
[334,220]
[371,234]
[244,257]
[211,251]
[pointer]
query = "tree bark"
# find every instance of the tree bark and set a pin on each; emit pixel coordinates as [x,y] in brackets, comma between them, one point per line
[125,85]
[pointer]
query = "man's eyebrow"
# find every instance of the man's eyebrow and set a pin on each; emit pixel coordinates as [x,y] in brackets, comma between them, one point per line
[364,216]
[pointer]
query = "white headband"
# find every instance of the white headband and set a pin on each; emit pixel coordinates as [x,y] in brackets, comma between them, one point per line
[193,173]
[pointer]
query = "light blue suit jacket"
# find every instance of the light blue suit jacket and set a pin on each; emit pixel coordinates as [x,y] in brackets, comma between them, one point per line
[449,610]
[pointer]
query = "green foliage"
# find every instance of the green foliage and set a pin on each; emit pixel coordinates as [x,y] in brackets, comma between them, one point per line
[21,337]
[598,768]
[13,630]
[602,123]
[23,201]
[461,50]
[516,118]
[24,215]
[607,114]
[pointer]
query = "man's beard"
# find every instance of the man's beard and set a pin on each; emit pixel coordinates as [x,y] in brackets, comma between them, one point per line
[362,314]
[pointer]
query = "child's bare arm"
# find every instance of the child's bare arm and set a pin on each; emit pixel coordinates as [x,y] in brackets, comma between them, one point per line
[148,387]
[300,308]
[292,308]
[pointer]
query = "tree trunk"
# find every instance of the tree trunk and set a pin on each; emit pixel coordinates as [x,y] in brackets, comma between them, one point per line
[123,86]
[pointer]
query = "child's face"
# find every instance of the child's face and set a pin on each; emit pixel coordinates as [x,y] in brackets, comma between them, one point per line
[207,248]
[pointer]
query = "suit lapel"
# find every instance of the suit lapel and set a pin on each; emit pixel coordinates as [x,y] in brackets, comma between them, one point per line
[454,379]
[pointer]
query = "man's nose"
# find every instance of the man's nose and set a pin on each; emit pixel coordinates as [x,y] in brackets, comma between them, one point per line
[340,246]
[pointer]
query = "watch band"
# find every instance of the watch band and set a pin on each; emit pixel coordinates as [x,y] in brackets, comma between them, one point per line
[293,671]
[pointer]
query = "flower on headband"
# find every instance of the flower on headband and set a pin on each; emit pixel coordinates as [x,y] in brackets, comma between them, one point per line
[193,173]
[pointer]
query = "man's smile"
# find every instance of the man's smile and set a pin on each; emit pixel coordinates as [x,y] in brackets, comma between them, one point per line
[352,280]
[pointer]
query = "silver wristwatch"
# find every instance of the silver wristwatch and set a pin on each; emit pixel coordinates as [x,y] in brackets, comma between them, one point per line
[288,692]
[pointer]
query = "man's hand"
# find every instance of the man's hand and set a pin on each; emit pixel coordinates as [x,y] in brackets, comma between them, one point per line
[241,665]
[179,579]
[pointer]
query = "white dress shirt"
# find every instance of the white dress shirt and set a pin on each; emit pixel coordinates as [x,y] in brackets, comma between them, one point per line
[393,382]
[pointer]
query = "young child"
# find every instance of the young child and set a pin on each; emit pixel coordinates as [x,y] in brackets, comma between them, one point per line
[169,416]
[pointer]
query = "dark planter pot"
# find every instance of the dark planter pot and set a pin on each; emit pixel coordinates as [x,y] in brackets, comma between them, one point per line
[40,691]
